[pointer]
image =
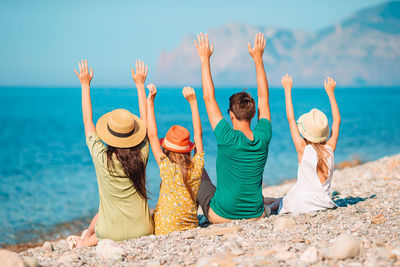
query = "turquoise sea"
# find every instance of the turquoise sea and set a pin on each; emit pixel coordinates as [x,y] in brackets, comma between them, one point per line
[47,181]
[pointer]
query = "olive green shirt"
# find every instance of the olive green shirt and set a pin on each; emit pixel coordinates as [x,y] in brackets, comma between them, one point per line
[123,213]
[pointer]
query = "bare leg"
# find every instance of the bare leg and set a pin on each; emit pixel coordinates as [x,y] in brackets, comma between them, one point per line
[89,239]
[92,226]
[275,205]
[270,200]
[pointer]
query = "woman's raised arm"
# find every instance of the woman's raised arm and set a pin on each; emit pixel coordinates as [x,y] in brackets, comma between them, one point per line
[330,85]
[190,95]
[298,141]
[139,77]
[85,77]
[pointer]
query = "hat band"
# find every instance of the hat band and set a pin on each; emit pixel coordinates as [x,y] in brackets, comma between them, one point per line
[121,135]
[174,146]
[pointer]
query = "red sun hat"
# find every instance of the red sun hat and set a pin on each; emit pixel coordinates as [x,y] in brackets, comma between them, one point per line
[177,140]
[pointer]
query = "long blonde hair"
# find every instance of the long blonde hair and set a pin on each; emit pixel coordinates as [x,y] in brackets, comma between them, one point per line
[185,164]
[322,164]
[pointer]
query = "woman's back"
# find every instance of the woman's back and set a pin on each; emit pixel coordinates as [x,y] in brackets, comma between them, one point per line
[309,194]
[123,213]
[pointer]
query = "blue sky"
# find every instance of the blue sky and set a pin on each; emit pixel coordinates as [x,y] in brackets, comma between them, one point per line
[42,41]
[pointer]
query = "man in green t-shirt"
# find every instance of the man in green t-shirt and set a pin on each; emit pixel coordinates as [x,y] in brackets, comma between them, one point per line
[242,152]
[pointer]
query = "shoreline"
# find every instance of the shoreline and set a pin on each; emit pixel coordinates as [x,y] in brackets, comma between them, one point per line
[362,231]
[76,226]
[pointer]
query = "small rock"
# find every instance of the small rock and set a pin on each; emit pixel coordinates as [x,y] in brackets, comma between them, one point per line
[10,258]
[283,223]
[285,255]
[221,231]
[357,226]
[107,249]
[380,242]
[345,246]
[214,261]
[47,246]
[307,242]
[312,214]
[310,256]
[378,219]
[31,262]
[67,259]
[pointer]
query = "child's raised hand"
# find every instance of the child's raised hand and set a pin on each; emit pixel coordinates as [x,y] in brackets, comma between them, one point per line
[85,77]
[141,72]
[287,83]
[259,44]
[189,93]
[329,84]
[152,92]
[203,48]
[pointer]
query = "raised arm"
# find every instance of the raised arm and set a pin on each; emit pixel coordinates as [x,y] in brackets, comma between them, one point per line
[139,78]
[298,141]
[85,77]
[205,51]
[330,85]
[256,52]
[152,126]
[190,95]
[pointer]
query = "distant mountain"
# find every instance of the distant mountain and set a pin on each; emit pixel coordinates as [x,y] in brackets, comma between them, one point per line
[364,49]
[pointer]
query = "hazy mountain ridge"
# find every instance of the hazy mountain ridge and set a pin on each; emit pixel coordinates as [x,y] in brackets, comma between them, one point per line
[363,49]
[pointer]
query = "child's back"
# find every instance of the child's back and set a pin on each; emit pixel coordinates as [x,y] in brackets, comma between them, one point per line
[175,209]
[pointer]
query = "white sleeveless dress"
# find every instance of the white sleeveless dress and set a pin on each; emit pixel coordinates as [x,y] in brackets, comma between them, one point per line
[308,194]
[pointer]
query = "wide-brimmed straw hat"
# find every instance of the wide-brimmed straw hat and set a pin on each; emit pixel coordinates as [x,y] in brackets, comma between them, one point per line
[177,140]
[120,128]
[313,126]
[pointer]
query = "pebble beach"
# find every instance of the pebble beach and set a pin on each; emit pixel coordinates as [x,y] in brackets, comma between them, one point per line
[363,231]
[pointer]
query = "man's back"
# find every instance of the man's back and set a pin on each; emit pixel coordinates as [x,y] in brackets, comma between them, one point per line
[240,166]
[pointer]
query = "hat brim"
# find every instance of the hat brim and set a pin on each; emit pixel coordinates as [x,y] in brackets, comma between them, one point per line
[190,148]
[306,135]
[122,142]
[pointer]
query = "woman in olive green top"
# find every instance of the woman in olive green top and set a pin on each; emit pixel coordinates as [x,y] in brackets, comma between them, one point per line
[120,166]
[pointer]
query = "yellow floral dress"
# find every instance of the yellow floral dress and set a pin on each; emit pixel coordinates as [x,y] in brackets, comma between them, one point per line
[175,210]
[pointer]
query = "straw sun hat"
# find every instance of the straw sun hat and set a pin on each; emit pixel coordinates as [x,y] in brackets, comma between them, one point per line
[313,126]
[177,140]
[120,128]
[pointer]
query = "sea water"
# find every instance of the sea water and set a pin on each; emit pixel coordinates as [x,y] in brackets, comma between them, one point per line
[47,177]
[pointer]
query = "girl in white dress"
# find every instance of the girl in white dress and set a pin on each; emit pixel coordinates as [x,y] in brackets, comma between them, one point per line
[315,155]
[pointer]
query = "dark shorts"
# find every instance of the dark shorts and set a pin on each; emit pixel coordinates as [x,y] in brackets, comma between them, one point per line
[205,193]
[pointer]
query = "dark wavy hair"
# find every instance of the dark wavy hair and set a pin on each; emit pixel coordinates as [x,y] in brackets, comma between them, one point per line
[134,167]
[242,106]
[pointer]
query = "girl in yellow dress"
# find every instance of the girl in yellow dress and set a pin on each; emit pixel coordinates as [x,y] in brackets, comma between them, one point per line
[176,209]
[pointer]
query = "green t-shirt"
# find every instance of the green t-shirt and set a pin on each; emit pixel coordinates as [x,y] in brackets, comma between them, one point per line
[240,167]
[123,214]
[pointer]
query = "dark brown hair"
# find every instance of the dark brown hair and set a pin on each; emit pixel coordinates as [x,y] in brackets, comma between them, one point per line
[242,106]
[134,167]
[322,165]
[184,161]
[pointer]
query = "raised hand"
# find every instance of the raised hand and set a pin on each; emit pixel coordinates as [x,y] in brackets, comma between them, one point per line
[141,72]
[329,84]
[152,92]
[85,77]
[257,50]
[203,48]
[287,83]
[189,93]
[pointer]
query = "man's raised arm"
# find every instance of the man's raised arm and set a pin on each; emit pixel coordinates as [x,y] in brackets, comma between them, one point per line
[256,52]
[205,52]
